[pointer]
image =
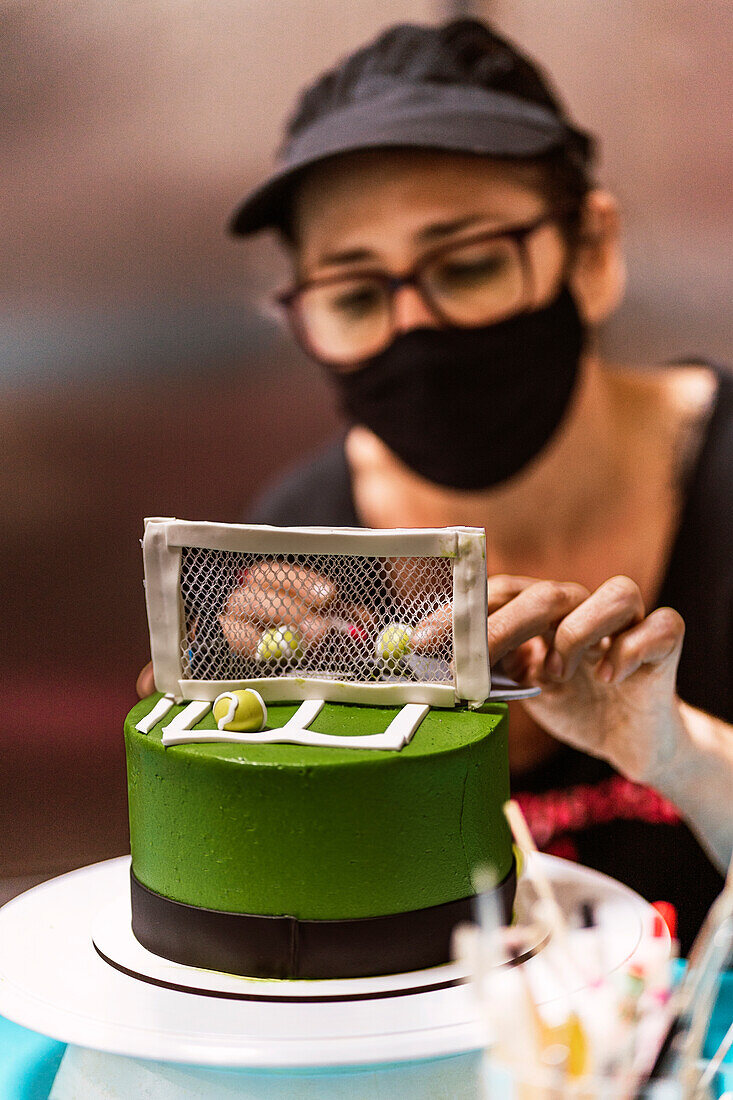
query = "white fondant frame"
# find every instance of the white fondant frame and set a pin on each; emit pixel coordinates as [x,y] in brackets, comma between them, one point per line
[164,540]
[290,689]
[295,731]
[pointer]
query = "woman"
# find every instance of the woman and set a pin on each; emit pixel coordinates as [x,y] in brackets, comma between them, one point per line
[452,261]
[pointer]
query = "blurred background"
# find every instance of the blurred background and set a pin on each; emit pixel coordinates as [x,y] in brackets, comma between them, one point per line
[130,323]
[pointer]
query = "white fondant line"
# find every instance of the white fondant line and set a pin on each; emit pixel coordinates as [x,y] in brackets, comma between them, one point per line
[186,719]
[289,689]
[231,710]
[305,714]
[402,727]
[173,736]
[159,711]
[333,741]
[284,736]
[397,734]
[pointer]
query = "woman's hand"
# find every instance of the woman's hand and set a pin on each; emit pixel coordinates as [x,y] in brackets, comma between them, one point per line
[145,683]
[607,670]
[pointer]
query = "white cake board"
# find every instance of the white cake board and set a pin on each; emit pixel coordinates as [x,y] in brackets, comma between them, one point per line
[53,980]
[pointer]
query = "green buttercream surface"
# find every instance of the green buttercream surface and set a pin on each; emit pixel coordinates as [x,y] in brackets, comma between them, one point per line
[321,833]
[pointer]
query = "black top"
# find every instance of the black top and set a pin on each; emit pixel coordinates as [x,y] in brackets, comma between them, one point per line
[579,806]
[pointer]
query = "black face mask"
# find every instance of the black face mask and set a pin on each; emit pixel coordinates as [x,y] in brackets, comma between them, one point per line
[470,407]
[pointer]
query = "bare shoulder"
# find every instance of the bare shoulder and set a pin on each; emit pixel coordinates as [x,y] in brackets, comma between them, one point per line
[676,399]
[690,388]
[667,408]
[689,395]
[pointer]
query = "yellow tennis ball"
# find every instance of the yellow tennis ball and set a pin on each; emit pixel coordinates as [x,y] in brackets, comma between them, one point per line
[240,711]
[393,644]
[281,643]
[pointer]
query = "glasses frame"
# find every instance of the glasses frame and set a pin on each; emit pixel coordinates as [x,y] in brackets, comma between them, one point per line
[290,298]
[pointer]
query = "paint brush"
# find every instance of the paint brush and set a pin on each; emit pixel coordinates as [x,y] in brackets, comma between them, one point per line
[523,838]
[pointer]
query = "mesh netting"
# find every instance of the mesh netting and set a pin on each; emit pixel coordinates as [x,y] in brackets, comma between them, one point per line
[321,616]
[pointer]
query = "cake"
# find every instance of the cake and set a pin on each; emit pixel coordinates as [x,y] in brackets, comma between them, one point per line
[342,840]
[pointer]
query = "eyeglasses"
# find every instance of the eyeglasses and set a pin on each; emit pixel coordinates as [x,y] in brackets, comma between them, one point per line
[342,320]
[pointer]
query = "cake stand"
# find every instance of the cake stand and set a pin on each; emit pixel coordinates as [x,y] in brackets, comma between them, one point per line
[71,969]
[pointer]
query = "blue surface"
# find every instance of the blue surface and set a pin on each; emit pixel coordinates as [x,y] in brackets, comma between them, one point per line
[28,1061]
[721,1021]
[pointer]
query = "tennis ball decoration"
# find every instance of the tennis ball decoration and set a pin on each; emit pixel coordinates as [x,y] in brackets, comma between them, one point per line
[280,643]
[393,644]
[240,711]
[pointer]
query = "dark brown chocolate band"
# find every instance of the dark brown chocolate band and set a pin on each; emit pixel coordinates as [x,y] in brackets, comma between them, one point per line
[285,947]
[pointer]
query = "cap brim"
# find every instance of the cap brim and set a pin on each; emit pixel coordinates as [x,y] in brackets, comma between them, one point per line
[447,117]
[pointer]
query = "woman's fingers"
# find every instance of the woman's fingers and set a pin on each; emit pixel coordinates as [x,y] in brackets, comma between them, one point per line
[433,632]
[537,609]
[575,624]
[524,664]
[283,579]
[613,607]
[278,592]
[264,605]
[242,636]
[145,684]
[649,643]
[503,587]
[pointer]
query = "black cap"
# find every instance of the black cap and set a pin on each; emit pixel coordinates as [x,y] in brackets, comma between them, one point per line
[414,88]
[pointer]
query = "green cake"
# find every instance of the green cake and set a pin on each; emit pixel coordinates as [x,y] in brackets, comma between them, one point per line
[268,858]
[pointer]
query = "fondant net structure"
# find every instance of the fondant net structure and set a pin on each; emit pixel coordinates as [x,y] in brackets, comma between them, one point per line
[323,616]
[375,617]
